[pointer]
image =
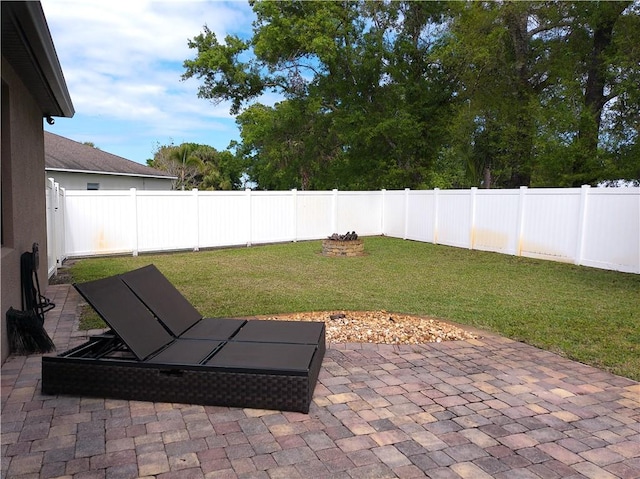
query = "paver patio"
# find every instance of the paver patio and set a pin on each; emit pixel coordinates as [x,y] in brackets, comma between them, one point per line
[481,408]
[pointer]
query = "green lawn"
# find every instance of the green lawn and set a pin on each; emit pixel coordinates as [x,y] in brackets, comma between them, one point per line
[585,314]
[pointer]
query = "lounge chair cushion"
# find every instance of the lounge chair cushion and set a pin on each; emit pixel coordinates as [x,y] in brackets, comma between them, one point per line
[296,332]
[186,352]
[214,328]
[264,357]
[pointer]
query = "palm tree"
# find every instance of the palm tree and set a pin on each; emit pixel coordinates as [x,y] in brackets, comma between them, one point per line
[186,164]
[198,166]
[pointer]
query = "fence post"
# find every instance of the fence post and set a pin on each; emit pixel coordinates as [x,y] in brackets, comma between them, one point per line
[436,207]
[294,201]
[52,236]
[382,218]
[517,248]
[61,215]
[637,270]
[334,211]
[134,220]
[57,231]
[405,234]
[247,192]
[472,217]
[196,209]
[582,222]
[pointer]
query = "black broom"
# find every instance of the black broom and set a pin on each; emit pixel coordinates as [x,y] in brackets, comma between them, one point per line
[26,333]
[25,329]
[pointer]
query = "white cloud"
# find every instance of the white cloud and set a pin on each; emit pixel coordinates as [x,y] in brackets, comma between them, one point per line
[123,62]
[123,66]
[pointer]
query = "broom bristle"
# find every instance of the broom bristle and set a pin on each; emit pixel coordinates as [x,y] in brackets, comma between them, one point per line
[26,334]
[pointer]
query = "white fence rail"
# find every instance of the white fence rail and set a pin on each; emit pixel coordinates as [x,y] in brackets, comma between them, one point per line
[598,227]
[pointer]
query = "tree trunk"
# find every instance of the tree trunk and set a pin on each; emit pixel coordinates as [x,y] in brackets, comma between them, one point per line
[486,183]
[517,20]
[595,97]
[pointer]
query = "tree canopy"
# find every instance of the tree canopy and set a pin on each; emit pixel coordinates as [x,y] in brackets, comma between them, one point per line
[431,94]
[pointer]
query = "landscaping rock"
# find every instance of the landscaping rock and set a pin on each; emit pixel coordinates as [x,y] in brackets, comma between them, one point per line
[380,327]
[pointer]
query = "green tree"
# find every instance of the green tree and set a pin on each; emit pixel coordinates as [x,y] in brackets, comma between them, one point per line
[498,55]
[288,145]
[220,170]
[179,161]
[422,94]
[355,116]
[198,166]
[545,86]
[610,72]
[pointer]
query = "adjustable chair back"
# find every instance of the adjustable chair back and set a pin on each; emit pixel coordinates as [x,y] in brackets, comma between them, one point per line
[143,334]
[184,321]
[126,315]
[173,309]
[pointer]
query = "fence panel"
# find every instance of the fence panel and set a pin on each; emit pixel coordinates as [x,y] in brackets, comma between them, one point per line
[550,229]
[223,219]
[495,221]
[611,233]
[271,217]
[454,218]
[314,214]
[419,222]
[166,222]
[359,211]
[99,223]
[393,214]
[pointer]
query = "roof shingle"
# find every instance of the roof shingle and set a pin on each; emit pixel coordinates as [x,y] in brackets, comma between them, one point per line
[61,153]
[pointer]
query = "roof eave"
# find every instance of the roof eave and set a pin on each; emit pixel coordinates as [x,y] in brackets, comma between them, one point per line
[31,25]
[110,173]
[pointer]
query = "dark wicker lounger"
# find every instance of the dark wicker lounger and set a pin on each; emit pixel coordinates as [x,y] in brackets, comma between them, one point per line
[270,365]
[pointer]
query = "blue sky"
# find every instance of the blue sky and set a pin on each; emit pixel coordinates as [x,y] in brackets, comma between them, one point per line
[122,63]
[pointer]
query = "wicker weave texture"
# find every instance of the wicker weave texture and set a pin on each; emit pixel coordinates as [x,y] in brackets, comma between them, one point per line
[208,386]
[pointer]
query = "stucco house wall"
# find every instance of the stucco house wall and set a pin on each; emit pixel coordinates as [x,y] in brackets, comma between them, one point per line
[23,189]
[33,88]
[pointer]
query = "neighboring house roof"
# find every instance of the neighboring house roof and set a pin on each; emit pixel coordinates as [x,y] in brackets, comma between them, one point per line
[28,47]
[63,154]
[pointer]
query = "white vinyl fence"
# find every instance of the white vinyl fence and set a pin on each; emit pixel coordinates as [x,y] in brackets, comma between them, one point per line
[598,227]
[56,252]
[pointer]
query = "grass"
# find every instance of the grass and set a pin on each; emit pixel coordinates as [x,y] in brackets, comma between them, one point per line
[585,314]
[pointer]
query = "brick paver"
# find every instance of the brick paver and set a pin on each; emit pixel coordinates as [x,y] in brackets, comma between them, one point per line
[488,407]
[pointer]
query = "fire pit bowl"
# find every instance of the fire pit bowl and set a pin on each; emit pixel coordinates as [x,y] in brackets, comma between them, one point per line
[343,245]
